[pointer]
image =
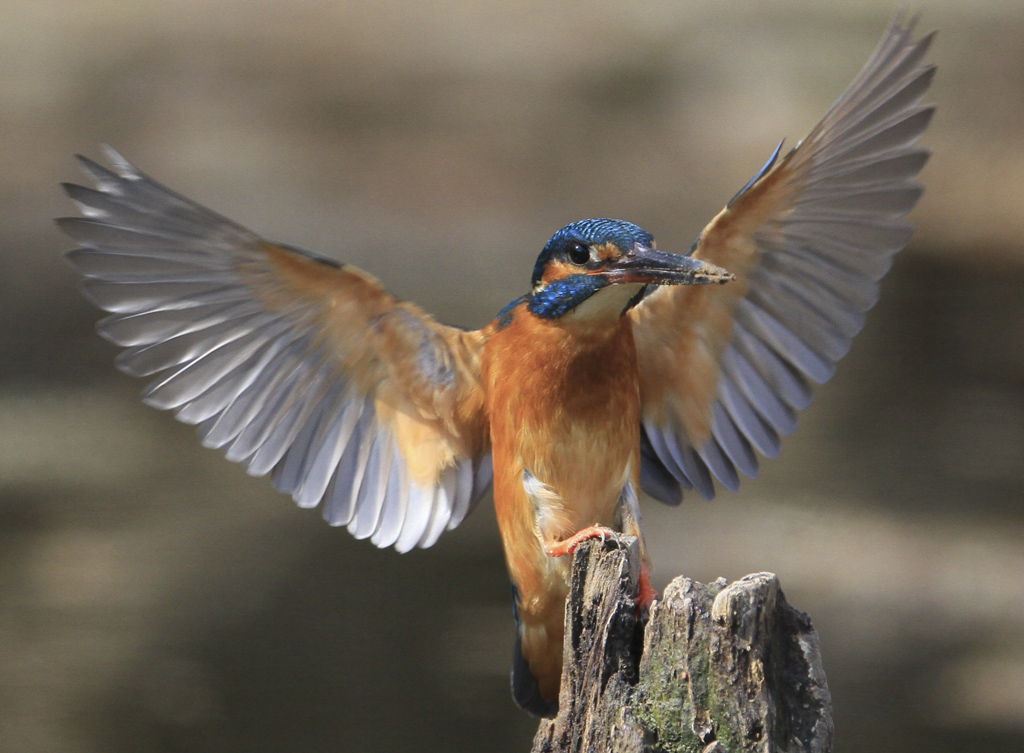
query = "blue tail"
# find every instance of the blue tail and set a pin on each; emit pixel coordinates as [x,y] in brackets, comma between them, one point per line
[524,684]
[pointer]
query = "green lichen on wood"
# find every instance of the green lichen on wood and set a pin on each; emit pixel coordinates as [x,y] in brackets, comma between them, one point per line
[733,665]
[718,669]
[674,676]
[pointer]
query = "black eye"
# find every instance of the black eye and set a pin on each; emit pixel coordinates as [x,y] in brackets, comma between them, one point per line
[579,254]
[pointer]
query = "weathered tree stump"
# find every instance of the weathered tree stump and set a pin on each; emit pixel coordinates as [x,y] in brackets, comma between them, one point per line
[719,668]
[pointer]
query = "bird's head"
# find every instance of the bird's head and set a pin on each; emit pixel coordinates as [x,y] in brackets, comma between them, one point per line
[597,268]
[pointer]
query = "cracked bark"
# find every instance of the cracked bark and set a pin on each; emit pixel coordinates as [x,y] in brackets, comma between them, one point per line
[718,668]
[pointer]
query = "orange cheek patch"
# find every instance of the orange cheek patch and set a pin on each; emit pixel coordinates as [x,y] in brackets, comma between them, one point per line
[607,252]
[558,270]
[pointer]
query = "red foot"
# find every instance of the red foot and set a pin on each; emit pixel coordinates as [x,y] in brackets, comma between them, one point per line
[568,546]
[644,592]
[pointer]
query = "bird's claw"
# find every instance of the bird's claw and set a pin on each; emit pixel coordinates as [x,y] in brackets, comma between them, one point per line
[645,593]
[568,546]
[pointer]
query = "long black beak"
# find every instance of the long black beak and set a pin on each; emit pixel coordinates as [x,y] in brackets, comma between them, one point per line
[652,267]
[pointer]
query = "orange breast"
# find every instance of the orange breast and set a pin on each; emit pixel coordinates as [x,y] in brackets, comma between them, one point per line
[564,406]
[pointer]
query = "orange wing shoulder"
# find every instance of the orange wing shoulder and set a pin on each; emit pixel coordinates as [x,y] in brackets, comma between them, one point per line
[293,364]
[723,369]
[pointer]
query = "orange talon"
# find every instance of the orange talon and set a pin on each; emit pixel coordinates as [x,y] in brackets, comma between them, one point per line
[568,546]
[645,593]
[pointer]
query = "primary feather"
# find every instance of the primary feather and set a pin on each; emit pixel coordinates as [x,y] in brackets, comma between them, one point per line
[289,362]
[723,370]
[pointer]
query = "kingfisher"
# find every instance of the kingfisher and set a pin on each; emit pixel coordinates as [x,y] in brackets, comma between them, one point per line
[623,368]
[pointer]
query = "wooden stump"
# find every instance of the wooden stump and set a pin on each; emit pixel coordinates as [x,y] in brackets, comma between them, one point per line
[719,668]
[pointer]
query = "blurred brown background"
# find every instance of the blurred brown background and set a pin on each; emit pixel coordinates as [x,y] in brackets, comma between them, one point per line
[155,598]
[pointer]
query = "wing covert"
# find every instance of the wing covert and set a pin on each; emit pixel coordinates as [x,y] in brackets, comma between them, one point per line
[291,363]
[724,369]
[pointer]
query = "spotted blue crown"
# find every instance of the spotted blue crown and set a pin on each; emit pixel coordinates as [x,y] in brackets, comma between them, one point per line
[623,234]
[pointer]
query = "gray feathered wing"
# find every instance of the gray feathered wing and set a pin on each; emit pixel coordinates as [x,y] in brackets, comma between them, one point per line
[291,363]
[724,369]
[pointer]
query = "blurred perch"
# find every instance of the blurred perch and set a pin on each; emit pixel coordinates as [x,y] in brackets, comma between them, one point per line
[719,668]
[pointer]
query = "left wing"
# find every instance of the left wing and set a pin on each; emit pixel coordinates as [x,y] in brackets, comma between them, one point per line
[293,364]
[724,368]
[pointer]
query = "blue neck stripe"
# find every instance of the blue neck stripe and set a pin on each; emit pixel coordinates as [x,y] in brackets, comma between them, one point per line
[559,297]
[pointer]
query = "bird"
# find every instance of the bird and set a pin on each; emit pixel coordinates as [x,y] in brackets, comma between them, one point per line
[623,368]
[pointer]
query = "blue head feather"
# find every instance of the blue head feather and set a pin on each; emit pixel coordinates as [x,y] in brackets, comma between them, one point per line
[595,232]
[559,297]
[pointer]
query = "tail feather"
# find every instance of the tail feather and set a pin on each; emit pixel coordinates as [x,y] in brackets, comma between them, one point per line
[525,689]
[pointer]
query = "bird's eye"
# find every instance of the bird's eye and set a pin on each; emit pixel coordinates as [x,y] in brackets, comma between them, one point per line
[579,254]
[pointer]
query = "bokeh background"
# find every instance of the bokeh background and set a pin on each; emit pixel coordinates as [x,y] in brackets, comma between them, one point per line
[155,598]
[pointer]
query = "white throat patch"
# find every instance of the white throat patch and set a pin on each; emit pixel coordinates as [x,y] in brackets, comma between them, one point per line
[606,304]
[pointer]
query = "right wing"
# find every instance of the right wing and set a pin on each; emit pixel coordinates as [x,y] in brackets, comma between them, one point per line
[291,363]
[724,368]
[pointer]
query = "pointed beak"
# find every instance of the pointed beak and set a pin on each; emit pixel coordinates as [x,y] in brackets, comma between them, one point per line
[652,267]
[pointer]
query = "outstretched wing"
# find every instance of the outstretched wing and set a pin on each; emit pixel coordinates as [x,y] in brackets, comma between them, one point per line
[724,368]
[291,363]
